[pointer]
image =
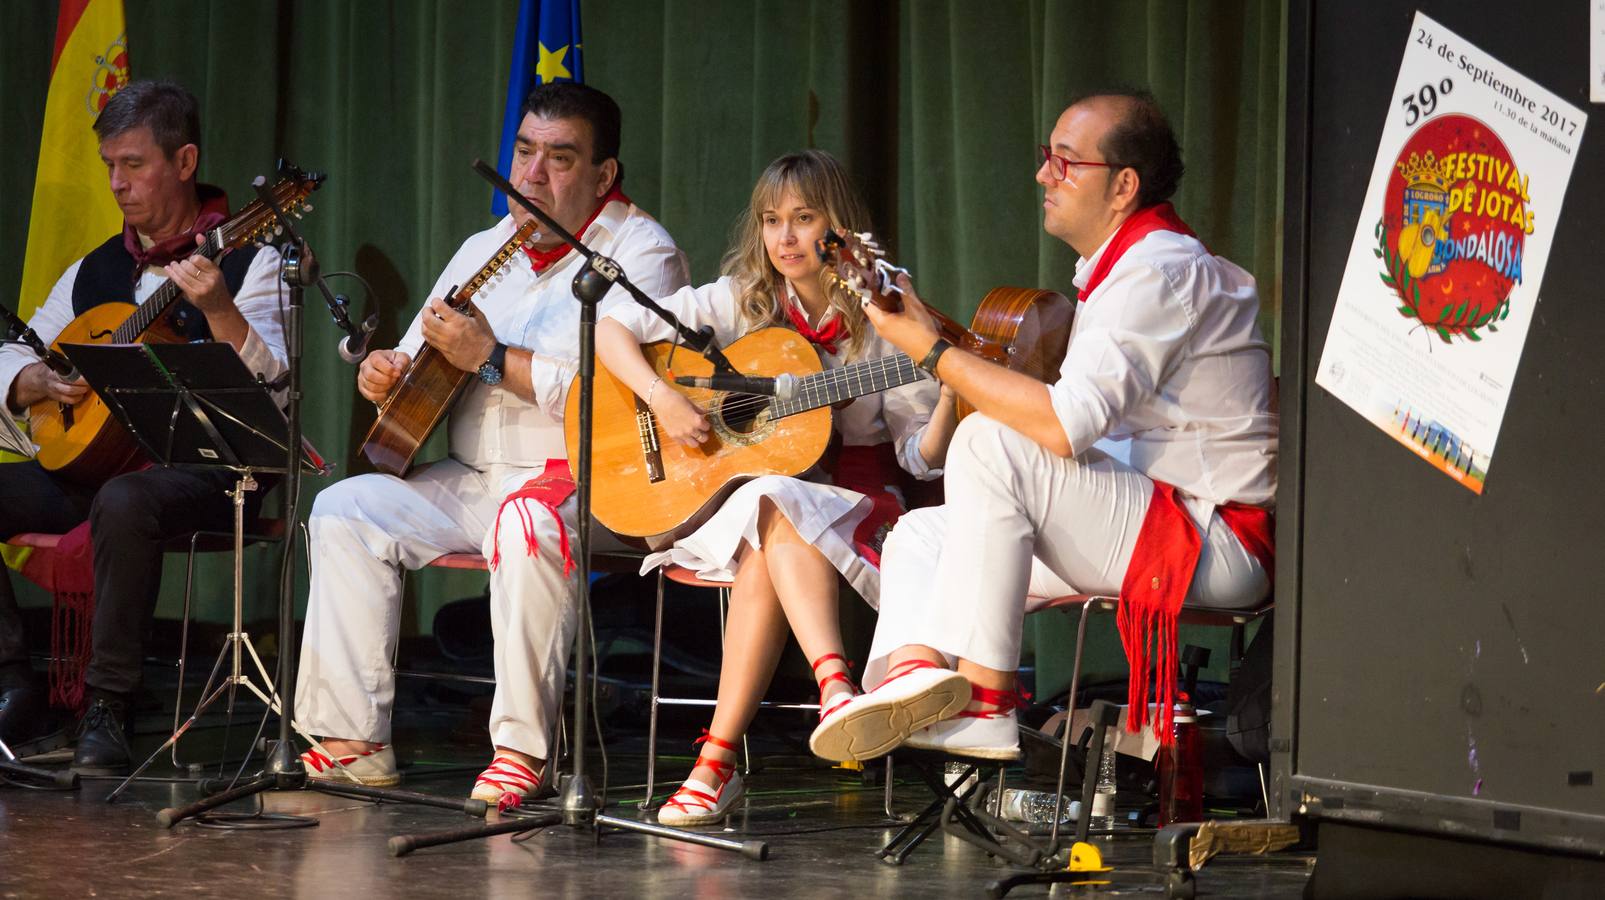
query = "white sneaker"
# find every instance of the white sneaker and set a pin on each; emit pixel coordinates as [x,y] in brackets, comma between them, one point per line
[875,723]
[995,736]
[374,768]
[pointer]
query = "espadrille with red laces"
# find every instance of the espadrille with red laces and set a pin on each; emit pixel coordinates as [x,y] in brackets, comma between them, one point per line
[915,693]
[374,768]
[840,677]
[988,729]
[507,783]
[699,803]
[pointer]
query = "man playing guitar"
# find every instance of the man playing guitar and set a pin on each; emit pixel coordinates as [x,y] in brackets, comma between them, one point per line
[1165,355]
[150,141]
[504,488]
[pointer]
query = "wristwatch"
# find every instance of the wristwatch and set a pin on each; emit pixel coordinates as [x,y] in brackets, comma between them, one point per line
[937,349]
[491,370]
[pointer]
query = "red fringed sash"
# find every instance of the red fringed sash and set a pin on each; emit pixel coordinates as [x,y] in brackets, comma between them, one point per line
[549,489]
[1155,586]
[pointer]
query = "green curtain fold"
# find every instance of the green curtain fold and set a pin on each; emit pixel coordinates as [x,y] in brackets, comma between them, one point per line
[936,107]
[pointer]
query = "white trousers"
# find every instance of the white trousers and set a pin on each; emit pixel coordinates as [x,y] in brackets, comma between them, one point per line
[1022,524]
[366,530]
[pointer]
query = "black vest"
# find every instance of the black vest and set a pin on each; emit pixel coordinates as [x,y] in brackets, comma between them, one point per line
[107,276]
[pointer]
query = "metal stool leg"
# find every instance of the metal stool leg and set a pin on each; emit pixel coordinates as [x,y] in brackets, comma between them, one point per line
[652,715]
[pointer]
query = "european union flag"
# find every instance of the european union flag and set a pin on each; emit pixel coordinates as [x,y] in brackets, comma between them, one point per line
[546,48]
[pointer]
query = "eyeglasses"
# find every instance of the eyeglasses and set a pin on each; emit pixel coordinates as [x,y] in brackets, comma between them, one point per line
[1060,167]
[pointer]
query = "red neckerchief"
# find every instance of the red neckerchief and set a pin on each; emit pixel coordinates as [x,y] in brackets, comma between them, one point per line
[1159,217]
[545,259]
[214,212]
[1155,586]
[825,338]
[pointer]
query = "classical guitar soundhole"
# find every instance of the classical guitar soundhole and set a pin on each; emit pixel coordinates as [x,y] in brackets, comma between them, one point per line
[741,419]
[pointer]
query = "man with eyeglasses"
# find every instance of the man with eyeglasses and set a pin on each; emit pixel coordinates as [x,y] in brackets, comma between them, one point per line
[1166,368]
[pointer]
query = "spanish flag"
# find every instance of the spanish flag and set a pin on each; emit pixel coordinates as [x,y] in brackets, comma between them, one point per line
[73,210]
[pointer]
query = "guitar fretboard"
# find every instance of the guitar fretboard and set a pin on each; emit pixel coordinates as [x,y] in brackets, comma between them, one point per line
[158,302]
[867,377]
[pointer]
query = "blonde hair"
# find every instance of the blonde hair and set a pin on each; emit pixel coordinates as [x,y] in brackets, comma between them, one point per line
[819,181]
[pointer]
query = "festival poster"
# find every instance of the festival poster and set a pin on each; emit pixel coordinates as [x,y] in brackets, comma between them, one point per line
[1448,256]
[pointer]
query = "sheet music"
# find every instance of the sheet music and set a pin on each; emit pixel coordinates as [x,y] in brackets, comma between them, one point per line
[12,438]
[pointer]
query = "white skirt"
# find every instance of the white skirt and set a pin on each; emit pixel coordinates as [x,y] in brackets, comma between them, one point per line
[824,515]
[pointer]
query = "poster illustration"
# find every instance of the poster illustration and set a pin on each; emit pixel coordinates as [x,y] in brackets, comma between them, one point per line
[1443,276]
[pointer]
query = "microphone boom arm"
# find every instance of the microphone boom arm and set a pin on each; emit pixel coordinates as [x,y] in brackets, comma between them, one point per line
[610,271]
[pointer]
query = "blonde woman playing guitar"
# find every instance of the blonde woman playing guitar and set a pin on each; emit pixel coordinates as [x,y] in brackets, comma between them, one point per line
[784,542]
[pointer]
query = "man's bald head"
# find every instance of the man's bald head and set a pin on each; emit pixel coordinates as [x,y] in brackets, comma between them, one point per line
[1139,138]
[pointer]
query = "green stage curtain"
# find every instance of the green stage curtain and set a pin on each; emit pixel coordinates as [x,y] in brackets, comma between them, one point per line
[936,107]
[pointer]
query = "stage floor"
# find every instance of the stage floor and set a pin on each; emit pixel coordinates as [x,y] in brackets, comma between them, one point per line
[823,827]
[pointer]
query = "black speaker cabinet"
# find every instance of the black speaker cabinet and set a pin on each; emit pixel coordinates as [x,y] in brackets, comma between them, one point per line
[1440,654]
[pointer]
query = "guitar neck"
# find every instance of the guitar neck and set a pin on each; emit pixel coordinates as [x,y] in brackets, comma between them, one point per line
[870,376]
[496,266]
[164,297]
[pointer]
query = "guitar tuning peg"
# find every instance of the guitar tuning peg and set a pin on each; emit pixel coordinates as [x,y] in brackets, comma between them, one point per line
[278,229]
[297,213]
[306,207]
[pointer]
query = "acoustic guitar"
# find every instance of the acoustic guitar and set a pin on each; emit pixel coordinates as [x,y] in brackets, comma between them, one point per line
[431,384]
[83,442]
[647,486]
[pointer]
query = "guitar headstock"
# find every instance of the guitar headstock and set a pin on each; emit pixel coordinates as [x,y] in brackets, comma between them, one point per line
[256,223]
[856,263]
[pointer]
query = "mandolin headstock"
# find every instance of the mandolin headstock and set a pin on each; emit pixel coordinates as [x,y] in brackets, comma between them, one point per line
[256,223]
[857,263]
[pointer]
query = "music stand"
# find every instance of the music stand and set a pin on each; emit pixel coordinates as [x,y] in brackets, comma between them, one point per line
[196,405]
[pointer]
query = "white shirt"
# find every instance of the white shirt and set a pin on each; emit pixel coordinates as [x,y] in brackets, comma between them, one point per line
[494,426]
[258,300]
[898,416]
[1166,355]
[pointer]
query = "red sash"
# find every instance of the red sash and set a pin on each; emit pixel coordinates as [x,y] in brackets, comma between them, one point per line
[1140,224]
[545,259]
[1155,586]
[868,470]
[549,489]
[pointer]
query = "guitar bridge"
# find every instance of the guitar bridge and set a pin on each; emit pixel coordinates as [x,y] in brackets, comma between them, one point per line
[646,429]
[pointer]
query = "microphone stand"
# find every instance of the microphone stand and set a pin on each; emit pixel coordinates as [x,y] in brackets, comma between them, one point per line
[282,769]
[577,804]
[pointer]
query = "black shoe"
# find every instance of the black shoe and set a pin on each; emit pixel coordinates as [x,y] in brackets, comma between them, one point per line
[27,723]
[103,740]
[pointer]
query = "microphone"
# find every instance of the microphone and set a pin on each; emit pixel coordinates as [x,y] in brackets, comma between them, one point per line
[781,387]
[354,346]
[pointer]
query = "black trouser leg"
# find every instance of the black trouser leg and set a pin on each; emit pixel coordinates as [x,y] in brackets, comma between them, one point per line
[133,517]
[31,500]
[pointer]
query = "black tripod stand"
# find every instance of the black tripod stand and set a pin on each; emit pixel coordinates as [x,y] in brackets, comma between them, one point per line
[577,805]
[282,769]
[10,768]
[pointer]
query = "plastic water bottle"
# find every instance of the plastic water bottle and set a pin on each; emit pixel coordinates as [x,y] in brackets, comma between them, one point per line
[1181,769]
[1103,798]
[1036,807]
[960,777]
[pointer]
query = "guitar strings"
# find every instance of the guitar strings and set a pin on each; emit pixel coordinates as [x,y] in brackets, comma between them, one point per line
[816,383]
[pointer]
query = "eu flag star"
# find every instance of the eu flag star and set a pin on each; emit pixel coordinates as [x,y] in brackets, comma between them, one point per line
[550,67]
